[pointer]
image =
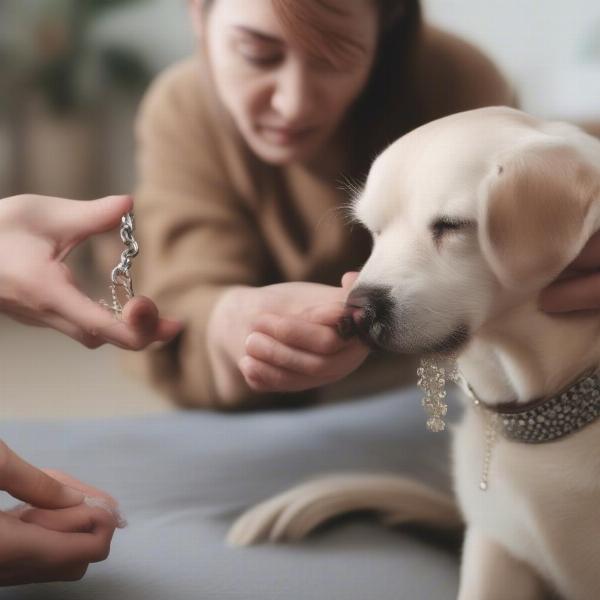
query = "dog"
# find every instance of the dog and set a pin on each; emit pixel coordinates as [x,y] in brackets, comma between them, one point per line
[472,216]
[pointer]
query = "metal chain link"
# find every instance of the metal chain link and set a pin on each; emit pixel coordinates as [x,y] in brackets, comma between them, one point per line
[121,286]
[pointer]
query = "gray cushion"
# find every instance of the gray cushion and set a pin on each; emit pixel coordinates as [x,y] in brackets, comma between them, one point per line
[183,477]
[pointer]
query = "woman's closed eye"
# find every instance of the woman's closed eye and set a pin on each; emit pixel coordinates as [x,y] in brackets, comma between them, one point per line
[259,55]
[258,48]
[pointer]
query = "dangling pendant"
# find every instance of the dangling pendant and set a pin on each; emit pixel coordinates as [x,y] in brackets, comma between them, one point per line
[432,380]
[491,431]
[121,292]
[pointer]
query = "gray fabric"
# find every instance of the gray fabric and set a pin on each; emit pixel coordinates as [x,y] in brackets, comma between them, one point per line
[182,478]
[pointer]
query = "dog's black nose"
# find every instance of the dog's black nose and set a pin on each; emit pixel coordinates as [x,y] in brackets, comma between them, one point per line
[365,306]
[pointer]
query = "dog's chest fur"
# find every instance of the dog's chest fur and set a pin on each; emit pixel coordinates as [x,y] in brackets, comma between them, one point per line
[542,503]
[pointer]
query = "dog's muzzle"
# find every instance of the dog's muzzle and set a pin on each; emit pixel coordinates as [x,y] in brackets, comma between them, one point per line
[373,315]
[368,315]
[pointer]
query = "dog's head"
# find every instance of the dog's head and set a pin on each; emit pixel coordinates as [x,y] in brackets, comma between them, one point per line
[470,215]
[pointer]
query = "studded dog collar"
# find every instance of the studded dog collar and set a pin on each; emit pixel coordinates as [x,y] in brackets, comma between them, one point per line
[544,420]
[550,418]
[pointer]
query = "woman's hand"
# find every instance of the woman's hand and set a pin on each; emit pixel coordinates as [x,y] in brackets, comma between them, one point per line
[579,286]
[283,337]
[37,288]
[55,536]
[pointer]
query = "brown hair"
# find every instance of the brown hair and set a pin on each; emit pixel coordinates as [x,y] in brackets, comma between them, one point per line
[385,109]
[318,26]
[388,107]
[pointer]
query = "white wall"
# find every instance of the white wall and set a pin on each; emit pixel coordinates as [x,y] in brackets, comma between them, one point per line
[550,48]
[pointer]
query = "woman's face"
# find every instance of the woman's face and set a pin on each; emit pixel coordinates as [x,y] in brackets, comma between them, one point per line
[285,99]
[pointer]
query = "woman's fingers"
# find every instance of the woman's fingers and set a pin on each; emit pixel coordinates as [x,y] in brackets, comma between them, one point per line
[139,328]
[63,307]
[57,549]
[74,572]
[293,353]
[54,321]
[265,378]
[42,290]
[71,222]
[273,352]
[348,279]
[581,293]
[578,288]
[60,324]
[271,366]
[29,484]
[167,329]
[76,308]
[77,519]
[93,546]
[300,333]
[141,314]
[335,315]
[86,488]
[325,314]
[589,259]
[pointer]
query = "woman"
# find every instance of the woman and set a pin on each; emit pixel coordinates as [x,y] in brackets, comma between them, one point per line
[242,154]
[62,535]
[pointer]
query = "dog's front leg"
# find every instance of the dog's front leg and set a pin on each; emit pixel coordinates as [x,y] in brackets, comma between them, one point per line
[489,572]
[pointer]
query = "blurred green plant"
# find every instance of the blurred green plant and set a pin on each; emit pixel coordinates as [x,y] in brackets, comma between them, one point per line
[591,46]
[48,48]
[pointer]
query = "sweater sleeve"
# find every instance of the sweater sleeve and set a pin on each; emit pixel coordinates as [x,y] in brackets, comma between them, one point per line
[197,237]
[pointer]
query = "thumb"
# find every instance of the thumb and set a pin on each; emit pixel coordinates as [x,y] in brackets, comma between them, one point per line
[348,279]
[589,259]
[73,221]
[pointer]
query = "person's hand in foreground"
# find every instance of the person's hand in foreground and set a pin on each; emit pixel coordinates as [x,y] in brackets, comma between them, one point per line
[37,288]
[58,532]
[579,286]
[284,337]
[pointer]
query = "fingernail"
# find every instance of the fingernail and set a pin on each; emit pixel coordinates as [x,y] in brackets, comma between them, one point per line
[72,495]
[254,378]
[547,307]
[94,502]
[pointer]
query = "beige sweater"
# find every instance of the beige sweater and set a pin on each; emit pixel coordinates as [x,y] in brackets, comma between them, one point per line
[210,215]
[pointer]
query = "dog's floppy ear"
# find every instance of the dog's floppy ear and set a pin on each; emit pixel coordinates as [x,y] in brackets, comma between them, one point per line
[538,208]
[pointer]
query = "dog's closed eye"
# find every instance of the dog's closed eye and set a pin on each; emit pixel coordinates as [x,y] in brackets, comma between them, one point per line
[447,225]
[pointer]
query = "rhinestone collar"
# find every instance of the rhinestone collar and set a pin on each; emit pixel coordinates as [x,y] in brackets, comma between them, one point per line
[551,418]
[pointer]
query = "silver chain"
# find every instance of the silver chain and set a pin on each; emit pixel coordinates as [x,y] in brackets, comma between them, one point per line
[491,433]
[121,286]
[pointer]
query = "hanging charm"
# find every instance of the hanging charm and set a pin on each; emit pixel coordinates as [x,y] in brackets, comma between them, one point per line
[491,432]
[121,287]
[433,377]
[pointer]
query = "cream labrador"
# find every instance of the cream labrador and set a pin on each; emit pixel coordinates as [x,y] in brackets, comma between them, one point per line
[472,215]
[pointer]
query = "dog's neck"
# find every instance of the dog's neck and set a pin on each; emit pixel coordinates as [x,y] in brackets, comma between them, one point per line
[528,355]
